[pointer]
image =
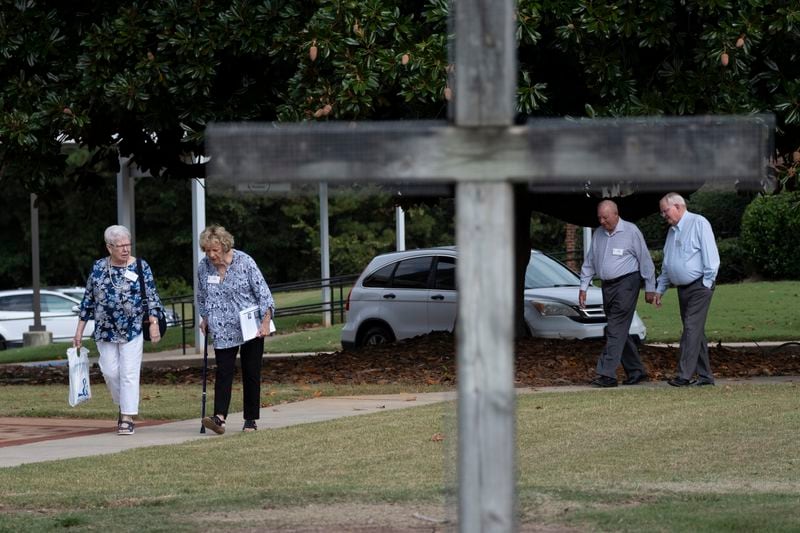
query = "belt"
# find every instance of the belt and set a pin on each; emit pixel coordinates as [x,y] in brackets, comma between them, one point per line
[615,280]
[690,283]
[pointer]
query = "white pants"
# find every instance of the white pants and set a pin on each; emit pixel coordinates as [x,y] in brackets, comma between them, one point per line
[121,364]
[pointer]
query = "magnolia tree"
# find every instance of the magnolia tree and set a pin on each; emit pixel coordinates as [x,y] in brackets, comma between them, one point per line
[143,78]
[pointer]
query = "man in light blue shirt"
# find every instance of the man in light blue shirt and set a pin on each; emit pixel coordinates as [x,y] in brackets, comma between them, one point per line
[619,257]
[691,263]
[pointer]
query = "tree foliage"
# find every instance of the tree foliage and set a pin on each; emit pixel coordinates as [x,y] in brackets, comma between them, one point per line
[142,78]
[146,76]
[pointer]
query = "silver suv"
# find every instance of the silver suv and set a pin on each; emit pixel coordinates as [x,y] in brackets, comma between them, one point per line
[404,294]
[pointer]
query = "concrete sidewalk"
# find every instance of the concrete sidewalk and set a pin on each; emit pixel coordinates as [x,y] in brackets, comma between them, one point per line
[104,441]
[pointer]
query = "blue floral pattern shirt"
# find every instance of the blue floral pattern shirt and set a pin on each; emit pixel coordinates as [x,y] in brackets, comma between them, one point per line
[113,299]
[219,303]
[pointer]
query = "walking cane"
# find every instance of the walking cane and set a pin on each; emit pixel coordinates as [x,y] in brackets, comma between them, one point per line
[205,367]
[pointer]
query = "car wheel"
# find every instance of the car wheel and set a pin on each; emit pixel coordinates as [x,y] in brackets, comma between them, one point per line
[377,335]
[3,344]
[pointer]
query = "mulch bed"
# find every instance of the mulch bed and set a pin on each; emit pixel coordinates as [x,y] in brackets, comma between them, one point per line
[430,359]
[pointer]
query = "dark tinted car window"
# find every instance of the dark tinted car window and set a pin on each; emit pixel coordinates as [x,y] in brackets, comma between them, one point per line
[381,277]
[413,273]
[445,278]
[17,302]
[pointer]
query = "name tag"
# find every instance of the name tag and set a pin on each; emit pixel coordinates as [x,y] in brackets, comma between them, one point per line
[617,251]
[214,280]
[133,276]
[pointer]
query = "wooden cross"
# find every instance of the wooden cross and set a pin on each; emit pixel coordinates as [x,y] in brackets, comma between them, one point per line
[486,156]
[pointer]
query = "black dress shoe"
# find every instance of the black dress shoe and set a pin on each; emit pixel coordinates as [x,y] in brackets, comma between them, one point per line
[679,382]
[636,379]
[604,382]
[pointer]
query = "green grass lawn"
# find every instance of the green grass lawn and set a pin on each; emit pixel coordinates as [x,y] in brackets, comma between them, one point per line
[757,311]
[633,459]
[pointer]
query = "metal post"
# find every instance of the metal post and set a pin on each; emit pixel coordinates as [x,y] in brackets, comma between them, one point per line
[126,203]
[324,253]
[37,303]
[400,227]
[37,334]
[587,241]
[198,225]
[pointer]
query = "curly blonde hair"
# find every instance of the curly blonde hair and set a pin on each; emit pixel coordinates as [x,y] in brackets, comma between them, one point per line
[216,234]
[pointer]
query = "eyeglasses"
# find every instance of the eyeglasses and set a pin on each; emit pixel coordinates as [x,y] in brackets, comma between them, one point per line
[127,245]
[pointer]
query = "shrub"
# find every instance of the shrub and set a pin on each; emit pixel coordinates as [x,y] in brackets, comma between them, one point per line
[169,287]
[733,261]
[723,209]
[654,229]
[658,259]
[770,235]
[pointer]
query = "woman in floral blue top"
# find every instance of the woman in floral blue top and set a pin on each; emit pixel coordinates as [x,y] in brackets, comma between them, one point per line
[229,282]
[114,300]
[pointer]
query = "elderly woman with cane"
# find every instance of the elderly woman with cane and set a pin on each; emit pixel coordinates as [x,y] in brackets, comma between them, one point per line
[115,300]
[235,306]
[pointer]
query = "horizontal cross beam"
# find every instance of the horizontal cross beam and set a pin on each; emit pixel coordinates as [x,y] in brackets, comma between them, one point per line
[550,154]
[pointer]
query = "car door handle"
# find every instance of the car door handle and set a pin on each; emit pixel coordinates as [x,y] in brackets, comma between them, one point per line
[437,297]
[389,296]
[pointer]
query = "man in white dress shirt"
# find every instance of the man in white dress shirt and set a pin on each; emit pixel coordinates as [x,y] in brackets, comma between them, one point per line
[619,257]
[691,263]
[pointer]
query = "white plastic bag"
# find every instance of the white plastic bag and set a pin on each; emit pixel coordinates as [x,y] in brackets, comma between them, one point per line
[80,388]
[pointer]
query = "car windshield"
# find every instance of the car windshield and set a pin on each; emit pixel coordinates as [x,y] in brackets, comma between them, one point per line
[544,271]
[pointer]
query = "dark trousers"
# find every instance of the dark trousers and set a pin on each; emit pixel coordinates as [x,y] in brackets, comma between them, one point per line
[694,300]
[252,353]
[619,304]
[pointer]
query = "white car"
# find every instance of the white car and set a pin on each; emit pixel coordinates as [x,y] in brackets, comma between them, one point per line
[404,294]
[173,318]
[72,292]
[59,314]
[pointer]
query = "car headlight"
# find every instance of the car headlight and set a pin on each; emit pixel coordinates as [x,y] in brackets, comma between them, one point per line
[554,309]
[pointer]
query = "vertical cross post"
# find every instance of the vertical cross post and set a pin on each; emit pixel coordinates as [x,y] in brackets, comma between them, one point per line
[485,84]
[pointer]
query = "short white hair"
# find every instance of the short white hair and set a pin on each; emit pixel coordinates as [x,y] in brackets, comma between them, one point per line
[116,232]
[609,203]
[673,198]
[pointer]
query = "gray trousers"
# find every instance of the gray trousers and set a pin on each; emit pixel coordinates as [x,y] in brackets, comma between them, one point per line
[694,300]
[619,304]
